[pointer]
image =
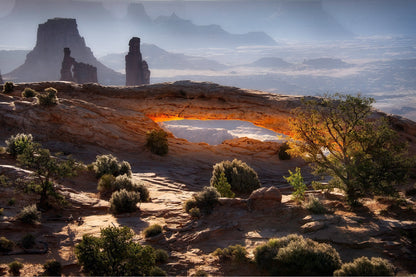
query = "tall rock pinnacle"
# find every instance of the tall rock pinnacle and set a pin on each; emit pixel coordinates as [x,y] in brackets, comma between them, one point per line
[137,70]
[44,62]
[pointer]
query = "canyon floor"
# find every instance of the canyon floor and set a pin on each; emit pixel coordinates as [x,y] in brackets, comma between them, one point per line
[382,227]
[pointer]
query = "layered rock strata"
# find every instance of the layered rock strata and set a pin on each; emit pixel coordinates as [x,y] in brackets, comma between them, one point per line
[119,117]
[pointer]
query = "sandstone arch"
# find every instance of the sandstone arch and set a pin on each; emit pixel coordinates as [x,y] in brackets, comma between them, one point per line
[101,114]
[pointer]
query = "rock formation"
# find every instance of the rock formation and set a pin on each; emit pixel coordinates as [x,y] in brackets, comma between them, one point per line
[119,117]
[73,71]
[137,70]
[44,62]
[1,79]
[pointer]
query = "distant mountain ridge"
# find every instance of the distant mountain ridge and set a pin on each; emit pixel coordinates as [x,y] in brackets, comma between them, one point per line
[103,30]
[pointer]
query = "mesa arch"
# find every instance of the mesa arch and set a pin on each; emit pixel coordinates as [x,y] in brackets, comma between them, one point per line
[104,114]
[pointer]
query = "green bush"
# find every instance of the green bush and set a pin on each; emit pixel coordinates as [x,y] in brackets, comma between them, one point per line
[108,164]
[315,206]
[235,253]
[241,177]
[6,245]
[299,187]
[161,256]
[295,255]
[207,199]
[52,268]
[11,201]
[115,253]
[48,98]
[366,267]
[265,254]
[8,87]
[195,212]
[157,142]
[157,271]
[28,92]
[124,201]
[223,187]
[152,230]
[125,168]
[283,154]
[29,214]
[28,241]
[125,182]
[15,267]
[307,257]
[106,183]
[144,192]
[17,144]
[190,204]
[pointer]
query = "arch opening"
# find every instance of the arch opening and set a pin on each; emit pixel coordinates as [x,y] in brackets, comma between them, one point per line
[214,132]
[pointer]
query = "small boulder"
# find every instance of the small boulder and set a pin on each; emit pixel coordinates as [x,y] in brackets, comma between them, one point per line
[312,226]
[265,198]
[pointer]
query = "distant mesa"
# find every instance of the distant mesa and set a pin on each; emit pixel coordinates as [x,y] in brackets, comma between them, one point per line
[272,62]
[73,71]
[326,63]
[44,62]
[137,70]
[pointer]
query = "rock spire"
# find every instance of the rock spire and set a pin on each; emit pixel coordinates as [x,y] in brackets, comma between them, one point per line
[74,71]
[137,70]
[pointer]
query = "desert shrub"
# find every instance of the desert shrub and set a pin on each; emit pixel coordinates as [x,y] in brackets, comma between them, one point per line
[307,257]
[8,87]
[11,201]
[207,199]
[157,142]
[124,201]
[29,92]
[17,144]
[52,268]
[235,253]
[125,168]
[315,206]
[366,267]
[283,154]
[223,187]
[299,187]
[152,230]
[241,177]
[144,192]
[6,245]
[123,182]
[15,267]
[29,214]
[157,271]
[295,255]
[108,164]
[265,254]
[195,212]
[106,183]
[28,241]
[48,98]
[161,256]
[115,253]
[190,204]
[1,211]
